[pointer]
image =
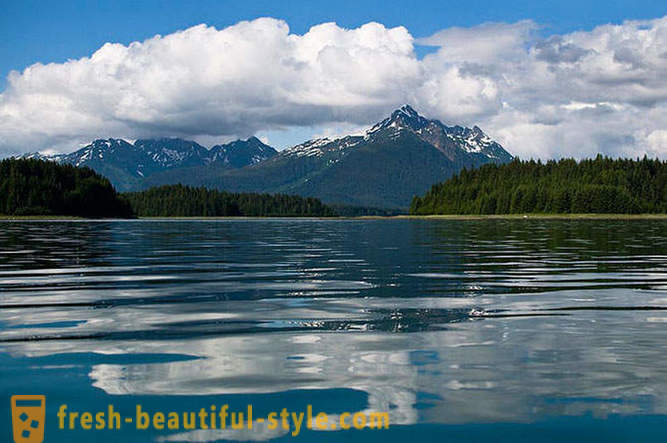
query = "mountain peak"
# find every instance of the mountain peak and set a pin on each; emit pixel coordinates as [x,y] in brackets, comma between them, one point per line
[240,153]
[407,116]
[402,118]
[456,142]
[406,110]
[107,142]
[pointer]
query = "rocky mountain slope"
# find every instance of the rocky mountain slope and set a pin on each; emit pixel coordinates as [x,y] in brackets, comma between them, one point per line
[394,160]
[127,164]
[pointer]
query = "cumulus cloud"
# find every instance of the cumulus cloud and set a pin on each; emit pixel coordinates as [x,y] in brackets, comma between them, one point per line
[577,94]
[202,81]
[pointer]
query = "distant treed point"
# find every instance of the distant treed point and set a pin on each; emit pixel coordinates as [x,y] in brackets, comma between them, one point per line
[188,201]
[34,187]
[601,185]
[30,187]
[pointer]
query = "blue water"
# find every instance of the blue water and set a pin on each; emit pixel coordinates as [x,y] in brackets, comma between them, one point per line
[477,330]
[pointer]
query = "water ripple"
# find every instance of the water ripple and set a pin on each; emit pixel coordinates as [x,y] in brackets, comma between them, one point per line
[438,321]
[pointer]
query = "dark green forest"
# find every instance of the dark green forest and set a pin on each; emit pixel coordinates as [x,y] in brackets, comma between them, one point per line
[187,201]
[343,210]
[600,185]
[36,187]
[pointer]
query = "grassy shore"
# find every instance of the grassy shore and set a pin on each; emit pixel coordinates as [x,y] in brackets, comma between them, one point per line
[374,217]
[537,216]
[39,217]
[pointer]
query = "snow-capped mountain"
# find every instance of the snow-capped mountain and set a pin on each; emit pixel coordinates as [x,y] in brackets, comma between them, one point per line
[323,147]
[127,164]
[240,153]
[385,166]
[173,152]
[454,141]
[397,158]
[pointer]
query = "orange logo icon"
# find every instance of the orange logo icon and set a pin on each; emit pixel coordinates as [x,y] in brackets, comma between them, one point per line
[28,413]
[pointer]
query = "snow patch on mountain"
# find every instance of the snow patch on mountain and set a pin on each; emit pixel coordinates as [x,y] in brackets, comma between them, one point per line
[320,146]
[467,140]
[127,163]
[143,157]
[311,148]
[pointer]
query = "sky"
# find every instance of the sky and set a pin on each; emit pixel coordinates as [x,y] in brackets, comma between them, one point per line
[545,79]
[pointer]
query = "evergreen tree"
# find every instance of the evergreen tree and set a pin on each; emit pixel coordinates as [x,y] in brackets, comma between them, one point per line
[600,185]
[36,187]
[187,201]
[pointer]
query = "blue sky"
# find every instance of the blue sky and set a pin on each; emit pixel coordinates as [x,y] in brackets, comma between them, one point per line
[53,31]
[546,79]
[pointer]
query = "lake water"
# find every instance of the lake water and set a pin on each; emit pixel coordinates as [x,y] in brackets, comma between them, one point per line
[477,330]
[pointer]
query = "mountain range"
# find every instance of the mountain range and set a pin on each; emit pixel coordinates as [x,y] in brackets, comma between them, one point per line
[127,165]
[384,167]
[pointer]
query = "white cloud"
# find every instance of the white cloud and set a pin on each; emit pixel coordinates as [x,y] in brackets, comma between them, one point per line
[485,42]
[657,142]
[578,94]
[235,81]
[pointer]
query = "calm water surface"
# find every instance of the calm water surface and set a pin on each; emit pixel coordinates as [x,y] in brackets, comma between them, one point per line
[496,330]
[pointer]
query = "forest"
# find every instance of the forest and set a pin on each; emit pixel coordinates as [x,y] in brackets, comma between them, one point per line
[30,187]
[36,187]
[567,186]
[187,201]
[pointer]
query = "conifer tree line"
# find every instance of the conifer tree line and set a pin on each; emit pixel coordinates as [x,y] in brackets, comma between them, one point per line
[600,185]
[187,201]
[36,187]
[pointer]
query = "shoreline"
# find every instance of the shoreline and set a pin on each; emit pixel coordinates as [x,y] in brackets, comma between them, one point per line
[529,216]
[365,217]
